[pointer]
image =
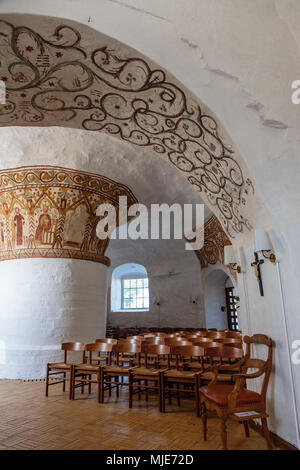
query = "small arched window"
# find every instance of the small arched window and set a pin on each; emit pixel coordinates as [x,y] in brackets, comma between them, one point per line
[130,288]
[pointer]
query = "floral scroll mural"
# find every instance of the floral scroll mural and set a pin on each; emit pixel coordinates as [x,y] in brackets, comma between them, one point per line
[215,239]
[63,73]
[50,212]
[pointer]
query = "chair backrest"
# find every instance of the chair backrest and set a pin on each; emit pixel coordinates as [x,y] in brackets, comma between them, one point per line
[136,338]
[157,350]
[234,334]
[127,347]
[158,340]
[234,342]
[132,349]
[216,334]
[206,344]
[263,366]
[186,350]
[178,341]
[99,347]
[201,339]
[107,340]
[126,340]
[201,333]
[222,352]
[76,346]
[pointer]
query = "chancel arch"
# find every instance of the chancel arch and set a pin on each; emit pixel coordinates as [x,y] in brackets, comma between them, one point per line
[61,73]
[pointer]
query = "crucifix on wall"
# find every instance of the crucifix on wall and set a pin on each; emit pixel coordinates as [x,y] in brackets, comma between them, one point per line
[256,265]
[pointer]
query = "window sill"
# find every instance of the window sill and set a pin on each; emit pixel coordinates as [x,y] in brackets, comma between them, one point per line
[133,310]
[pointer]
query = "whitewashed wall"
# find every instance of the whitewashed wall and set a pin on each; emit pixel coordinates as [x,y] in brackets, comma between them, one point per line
[44,303]
[174,278]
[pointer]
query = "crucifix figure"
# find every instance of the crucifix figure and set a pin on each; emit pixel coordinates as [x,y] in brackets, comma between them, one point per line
[256,265]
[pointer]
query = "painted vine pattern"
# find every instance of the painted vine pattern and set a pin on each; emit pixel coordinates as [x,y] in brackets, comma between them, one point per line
[215,239]
[55,80]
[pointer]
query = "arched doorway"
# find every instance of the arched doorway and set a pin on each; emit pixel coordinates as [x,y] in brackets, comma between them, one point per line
[220,302]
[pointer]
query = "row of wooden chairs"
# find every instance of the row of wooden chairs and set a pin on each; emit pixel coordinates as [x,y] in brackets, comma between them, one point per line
[172,370]
[125,332]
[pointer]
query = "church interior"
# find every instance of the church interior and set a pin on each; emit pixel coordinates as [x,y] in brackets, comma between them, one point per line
[138,343]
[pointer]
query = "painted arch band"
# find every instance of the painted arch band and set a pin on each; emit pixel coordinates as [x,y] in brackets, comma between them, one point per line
[54,76]
[50,212]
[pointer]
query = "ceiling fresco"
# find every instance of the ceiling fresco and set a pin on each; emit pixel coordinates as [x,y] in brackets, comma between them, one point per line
[62,73]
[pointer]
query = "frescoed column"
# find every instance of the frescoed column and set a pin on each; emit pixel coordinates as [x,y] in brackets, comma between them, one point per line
[53,268]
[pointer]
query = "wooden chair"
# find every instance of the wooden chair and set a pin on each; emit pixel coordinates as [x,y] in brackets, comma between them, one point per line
[234,334]
[140,377]
[234,342]
[224,362]
[201,339]
[110,375]
[155,340]
[177,340]
[136,338]
[216,334]
[235,401]
[83,373]
[184,380]
[60,369]
[206,361]
[107,340]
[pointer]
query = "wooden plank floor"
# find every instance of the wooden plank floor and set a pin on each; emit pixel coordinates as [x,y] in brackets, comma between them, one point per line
[29,420]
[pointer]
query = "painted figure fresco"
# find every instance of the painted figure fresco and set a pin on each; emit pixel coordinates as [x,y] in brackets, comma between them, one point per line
[44,224]
[50,212]
[18,223]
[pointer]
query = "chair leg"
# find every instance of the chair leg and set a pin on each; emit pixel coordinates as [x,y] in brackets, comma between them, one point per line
[90,384]
[47,381]
[224,433]
[246,427]
[170,385]
[72,384]
[204,420]
[130,389]
[266,433]
[178,394]
[197,395]
[64,382]
[161,385]
[117,382]
[101,385]
[146,385]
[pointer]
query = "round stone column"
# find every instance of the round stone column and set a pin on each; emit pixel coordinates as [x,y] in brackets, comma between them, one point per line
[44,303]
[53,267]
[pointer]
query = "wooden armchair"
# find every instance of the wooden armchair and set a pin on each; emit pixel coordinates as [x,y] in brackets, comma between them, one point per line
[235,401]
